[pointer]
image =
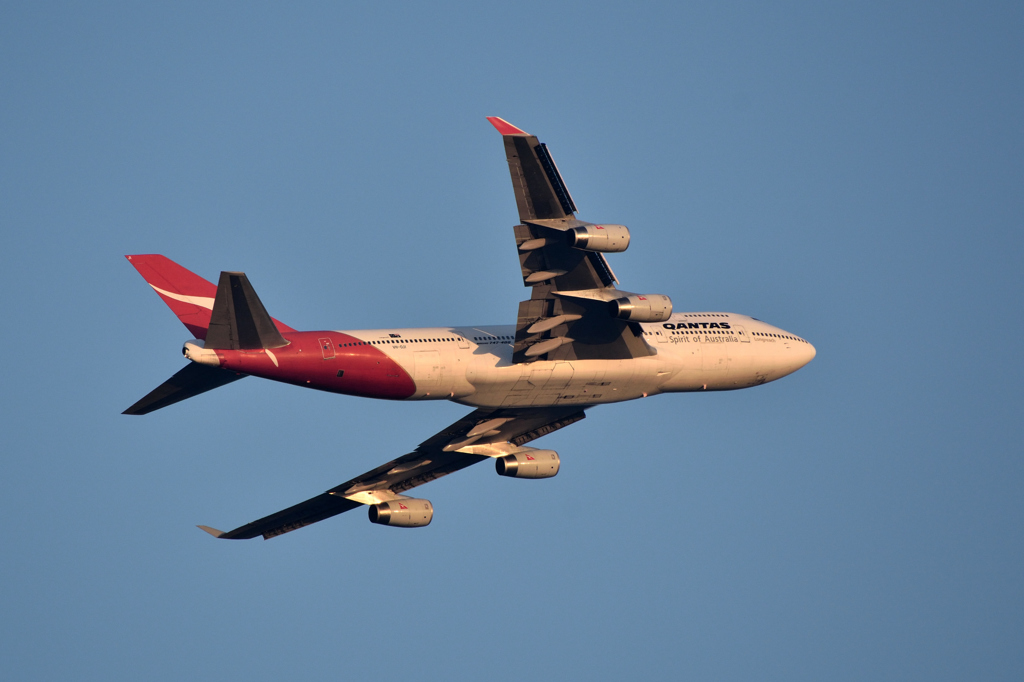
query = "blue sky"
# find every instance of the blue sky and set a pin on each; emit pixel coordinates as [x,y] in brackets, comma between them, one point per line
[851,172]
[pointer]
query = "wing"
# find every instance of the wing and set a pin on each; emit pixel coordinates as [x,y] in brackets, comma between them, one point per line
[567,316]
[189,381]
[474,438]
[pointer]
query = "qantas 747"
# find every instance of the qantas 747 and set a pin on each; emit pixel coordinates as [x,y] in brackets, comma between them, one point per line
[578,341]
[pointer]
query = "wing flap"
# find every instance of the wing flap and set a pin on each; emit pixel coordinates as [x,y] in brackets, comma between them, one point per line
[587,329]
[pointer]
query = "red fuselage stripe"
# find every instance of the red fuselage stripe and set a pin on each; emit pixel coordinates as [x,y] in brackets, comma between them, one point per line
[346,365]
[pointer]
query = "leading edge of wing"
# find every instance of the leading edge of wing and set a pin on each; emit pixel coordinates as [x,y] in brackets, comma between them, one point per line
[318,508]
[428,462]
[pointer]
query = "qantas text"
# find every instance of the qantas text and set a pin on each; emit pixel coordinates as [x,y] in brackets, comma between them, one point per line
[697,325]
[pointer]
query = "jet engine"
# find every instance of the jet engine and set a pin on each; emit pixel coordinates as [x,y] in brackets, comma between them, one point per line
[528,463]
[407,512]
[607,238]
[642,308]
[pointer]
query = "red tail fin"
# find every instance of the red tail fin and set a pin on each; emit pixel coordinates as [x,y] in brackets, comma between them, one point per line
[188,295]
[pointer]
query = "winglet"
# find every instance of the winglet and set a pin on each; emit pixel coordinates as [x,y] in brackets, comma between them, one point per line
[212,531]
[504,127]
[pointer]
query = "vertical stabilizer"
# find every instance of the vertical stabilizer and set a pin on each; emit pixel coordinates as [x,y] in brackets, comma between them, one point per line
[189,296]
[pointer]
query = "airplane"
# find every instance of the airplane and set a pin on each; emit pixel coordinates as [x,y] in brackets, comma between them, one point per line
[578,341]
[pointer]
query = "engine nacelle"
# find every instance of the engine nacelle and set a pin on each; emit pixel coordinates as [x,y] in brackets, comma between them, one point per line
[607,238]
[194,351]
[408,512]
[642,308]
[528,463]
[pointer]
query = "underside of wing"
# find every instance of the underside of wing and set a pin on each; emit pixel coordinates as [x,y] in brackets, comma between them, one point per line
[562,259]
[303,514]
[540,192]
[191,380]
[478,436]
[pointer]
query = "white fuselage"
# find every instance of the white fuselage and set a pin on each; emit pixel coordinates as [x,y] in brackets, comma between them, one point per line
[693,352]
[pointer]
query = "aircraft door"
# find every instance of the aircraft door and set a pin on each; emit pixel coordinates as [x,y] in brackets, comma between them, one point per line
[742,333]
[327,348]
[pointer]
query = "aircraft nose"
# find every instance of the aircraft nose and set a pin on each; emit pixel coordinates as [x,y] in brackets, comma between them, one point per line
[807,353]
[796,356]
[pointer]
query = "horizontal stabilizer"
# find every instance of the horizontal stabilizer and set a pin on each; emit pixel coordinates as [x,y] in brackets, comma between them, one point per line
[190,381]
[238,320]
